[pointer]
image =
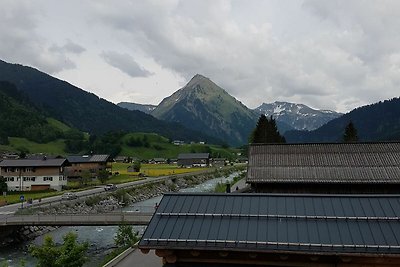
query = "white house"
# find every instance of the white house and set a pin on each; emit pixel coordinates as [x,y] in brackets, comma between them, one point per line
[30,175]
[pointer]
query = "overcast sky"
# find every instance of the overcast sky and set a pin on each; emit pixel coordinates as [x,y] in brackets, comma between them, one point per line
[326,54]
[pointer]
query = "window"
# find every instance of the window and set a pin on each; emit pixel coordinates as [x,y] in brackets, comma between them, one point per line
[47,178]
[32,179]
[9,179]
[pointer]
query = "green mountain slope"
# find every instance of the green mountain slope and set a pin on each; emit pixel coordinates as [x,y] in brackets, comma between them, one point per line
[20,118]
[84,110]
[376,122]
[204,106]
[156,146]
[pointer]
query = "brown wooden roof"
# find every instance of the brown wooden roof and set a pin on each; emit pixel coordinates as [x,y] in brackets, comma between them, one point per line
[324,163]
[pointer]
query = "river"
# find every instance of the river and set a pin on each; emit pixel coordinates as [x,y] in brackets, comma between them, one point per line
[101,239]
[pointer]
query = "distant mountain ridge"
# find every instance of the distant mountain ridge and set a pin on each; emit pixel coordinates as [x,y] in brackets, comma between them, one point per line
[375,122]
[146,108]
[204,106]
[86,111]
[298,116]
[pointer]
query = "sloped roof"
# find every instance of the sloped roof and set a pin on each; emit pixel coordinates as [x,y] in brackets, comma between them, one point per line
[87,158]
[276,222]
[194,156]
[324,163]
[99,158]
[32,163]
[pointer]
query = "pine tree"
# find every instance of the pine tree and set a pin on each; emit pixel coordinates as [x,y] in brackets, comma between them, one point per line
[266,131]
[350,133]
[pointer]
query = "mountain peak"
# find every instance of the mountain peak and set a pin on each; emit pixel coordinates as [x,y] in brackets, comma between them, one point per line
[201,80]
[299,116]
[203,105]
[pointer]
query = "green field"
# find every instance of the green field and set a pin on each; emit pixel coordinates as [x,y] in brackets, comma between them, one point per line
[152,170]
[58,124]
[54,148]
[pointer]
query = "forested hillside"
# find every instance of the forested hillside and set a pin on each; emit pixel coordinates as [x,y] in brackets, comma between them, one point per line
[19,118]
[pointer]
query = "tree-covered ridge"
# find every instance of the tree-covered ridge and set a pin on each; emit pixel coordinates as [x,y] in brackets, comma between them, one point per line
[86,111]
[19,118]
[375,122]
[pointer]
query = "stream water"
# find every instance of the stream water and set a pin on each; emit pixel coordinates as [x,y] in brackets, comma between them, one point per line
[101,239]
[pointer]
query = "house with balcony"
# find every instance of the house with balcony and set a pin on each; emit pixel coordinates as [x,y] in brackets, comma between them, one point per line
[194,159]
[91,163]
[33,175]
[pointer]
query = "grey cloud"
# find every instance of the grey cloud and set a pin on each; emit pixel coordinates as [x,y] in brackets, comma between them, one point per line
[125,63]
[69,47]
[21,43]
[329,54]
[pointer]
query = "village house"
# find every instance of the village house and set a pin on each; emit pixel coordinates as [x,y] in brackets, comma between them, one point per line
[90,163]
[34,174]
[325,168]
[121,159]
[178,142]
[198,229]
[194,159]
[158,161]
[219,162]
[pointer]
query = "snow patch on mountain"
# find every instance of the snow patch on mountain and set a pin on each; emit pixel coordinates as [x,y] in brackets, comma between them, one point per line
[299,116]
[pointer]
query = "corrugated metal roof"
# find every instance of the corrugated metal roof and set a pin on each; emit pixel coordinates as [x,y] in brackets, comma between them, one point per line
[99,158]
[194,156]
[87,158]
[272,222]
[32,163]
[324,163]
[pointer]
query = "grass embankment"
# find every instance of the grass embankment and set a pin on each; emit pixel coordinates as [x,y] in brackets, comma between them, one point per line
[14,196]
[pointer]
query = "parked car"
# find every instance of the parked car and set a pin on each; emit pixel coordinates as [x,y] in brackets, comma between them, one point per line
[110,187]
[69,195]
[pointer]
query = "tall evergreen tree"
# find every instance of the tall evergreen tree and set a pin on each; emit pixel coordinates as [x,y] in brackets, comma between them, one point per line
[350,133]
[266,131]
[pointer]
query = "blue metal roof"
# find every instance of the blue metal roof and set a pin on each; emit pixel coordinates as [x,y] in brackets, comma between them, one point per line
[276,222]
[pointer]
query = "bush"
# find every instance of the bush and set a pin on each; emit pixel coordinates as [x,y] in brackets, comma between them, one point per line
[91,201]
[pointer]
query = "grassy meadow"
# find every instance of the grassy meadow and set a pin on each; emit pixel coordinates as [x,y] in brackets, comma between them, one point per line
[151,170]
